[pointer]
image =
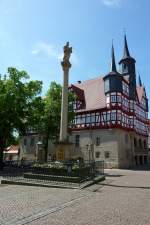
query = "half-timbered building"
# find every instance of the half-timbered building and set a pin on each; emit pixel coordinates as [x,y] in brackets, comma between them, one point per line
[111,121]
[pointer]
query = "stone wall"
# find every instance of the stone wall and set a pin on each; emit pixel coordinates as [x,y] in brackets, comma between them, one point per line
[116,147]
[28,147]
[106,150]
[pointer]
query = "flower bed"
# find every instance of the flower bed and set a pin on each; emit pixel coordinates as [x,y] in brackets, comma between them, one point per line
[60,169]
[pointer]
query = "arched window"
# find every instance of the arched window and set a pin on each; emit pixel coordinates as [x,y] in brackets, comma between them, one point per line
[98,141]
[126,138]
[135,142]
[140,143]
[144,144]
[77,140]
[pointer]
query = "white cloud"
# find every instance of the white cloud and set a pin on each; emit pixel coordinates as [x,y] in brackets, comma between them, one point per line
[112,3]
[45,49]
[49,50]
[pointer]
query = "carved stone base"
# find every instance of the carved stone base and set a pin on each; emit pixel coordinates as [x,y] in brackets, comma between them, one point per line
[66,151]
[63,151]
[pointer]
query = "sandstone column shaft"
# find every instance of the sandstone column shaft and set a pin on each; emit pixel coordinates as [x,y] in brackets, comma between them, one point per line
[64,107]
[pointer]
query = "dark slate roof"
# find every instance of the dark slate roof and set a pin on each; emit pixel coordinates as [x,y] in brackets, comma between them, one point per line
[126,53]
[113,63]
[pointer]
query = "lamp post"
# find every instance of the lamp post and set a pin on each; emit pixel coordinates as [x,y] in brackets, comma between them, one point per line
[39,155]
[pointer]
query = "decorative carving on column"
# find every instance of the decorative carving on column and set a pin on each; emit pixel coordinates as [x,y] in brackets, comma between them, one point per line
[67,53]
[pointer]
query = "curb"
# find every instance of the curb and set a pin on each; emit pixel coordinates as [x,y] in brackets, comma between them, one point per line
[36,184]
[94,181]
[82,186]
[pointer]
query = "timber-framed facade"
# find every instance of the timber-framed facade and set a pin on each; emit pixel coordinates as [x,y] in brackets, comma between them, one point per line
[113,109]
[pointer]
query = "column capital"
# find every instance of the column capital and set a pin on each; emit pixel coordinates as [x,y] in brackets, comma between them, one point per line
[66,65]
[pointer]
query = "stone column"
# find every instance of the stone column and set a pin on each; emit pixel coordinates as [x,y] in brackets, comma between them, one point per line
[66,65]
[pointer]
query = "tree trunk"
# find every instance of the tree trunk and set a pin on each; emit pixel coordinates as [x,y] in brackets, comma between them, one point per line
[46,147]
[1,154]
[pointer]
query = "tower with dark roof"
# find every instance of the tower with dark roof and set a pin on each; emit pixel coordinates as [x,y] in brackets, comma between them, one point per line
[140,82]
[113,63]
[127,68]
[113,80]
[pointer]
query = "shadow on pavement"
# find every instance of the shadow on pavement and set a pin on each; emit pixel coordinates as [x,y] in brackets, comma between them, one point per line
[121,186]
[113,175]
[141,168]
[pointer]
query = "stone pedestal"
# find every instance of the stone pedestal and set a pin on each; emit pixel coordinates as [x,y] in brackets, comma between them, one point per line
[40,155]
[64,151]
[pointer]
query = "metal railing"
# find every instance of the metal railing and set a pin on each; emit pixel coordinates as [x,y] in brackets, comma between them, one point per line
[84,170]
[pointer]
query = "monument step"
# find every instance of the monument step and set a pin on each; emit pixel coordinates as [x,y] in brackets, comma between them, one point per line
[50,184]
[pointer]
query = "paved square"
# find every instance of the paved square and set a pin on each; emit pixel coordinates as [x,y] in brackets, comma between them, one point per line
[123,199]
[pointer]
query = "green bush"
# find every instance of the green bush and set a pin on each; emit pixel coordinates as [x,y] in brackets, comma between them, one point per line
[61,170]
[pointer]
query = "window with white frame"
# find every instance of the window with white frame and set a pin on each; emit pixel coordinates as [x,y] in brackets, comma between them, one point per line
[107,86]
[97,141]
[77,140]
[125,88]
[113,115]
[113,98]
[97,154]
[119,98]
[107,155]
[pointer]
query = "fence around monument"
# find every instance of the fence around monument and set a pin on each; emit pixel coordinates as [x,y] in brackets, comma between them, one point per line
[72,172]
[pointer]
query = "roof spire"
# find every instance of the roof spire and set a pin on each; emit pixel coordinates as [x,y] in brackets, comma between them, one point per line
[140,82]
[113,64]
[126,53]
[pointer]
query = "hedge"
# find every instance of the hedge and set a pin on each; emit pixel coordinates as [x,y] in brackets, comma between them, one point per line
[77,172]
[52,178]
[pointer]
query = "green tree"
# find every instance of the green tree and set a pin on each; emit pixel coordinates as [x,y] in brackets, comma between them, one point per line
[21,106]
[52,114]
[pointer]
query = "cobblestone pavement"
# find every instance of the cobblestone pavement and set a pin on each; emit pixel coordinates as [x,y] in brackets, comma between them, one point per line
[123,199]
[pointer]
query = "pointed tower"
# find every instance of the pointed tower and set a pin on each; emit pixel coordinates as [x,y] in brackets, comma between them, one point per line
[113,63]
[146,98]
[127,63]
[127,68]
[126,53]
[140,82]
[113,80]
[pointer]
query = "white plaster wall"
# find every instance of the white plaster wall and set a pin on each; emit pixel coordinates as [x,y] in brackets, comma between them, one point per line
[108,143]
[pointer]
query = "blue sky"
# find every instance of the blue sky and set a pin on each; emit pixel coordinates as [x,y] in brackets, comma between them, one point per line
[33,32]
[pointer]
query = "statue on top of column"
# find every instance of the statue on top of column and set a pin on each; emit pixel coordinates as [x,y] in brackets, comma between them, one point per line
[67,52]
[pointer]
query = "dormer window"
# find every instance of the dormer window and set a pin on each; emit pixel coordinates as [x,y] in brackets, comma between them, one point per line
[125,88]
[125,68]
[107,86]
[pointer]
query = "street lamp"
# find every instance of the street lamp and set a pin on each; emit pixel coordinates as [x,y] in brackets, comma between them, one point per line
[39,155]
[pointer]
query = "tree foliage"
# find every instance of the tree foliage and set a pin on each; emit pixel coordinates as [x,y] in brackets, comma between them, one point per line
[52,112]
[20,105]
